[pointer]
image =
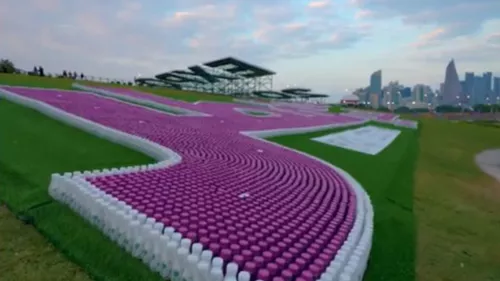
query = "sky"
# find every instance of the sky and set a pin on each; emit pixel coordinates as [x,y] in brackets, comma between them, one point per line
[328,46]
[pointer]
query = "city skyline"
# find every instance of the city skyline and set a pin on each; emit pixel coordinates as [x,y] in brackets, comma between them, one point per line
[328,46]
[472,90]
[477,88]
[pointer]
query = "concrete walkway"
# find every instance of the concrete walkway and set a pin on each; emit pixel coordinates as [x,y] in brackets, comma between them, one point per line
[489,162]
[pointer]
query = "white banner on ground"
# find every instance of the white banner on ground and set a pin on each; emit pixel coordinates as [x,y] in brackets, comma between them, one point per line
[369,139]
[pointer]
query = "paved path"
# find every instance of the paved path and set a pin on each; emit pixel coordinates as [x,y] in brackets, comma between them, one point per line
[489,162]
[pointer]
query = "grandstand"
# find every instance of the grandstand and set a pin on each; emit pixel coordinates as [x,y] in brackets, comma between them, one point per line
[303,94]
[229,76]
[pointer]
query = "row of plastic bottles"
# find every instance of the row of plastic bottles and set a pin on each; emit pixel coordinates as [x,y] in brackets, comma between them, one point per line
[160,247]
[164,250]
[351,265]
[167,109]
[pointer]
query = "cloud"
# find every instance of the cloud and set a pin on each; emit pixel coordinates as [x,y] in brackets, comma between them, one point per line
[129,10]
[472,51]
[318,4]
[493,40]
[120,38]
[431,37]
[47,5]
[457,17]
[361,14]
[124,37]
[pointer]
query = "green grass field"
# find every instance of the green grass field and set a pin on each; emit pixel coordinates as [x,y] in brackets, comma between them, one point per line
[456,205]
[335,109]
[32,147]
[257,113]
[437,216]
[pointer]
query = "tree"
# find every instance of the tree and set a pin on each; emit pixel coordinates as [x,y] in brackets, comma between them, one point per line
[402,109]
[421,109]
[482,108]
[7,66]
[383,109]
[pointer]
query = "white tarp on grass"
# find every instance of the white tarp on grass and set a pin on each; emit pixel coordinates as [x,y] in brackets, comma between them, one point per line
[369,139]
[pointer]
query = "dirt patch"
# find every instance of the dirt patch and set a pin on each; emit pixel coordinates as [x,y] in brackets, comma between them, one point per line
[26,255]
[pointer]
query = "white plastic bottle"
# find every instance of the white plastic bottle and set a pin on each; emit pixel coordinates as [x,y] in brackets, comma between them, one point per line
[196,249]
[120,227]
[190,271]
[170,253]
[231,271]
[161,252]
[145,233]
[180,265]
[202,269]
[216,274]
[206,256]
[217,262]
[176,269]
[135,238]
[153,255]
[244,276]
[169,231]
[203,272]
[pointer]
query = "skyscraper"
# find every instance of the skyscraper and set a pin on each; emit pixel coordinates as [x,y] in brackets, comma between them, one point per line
[421,93]
[479,95]
[496,86]
[487,79]
[406,92]
[463,87]
[469,83]
[452,87]
[376,84]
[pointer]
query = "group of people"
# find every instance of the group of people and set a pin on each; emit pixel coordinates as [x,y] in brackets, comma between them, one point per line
[38,71]
[72,75]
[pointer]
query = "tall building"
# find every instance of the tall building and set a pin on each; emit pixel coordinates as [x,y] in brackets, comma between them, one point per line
[479,91]
[406,92]
[375,100]
[463,87]
[469,83]
[487,79]
[438,97]
[376,84]
[452,88]
[496,87]
[392,92]
[421,93]
[362,94]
